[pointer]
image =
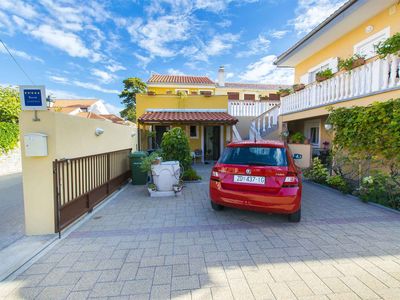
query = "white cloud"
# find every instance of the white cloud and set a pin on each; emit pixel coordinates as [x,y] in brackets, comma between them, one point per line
[20,54]
[258,46]
[113,109]
[66,41]
[230,75]
[59,79]
[19,8]
[278,34]
[103,76]
[61,94]
[115,67]
[173,71]
[264,70]
[310,13]
[95,87]
[143,61]
[225,23]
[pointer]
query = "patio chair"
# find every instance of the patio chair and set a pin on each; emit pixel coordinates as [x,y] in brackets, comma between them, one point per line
[197,154]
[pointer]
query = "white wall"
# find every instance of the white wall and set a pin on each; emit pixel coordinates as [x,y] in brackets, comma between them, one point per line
[10,162]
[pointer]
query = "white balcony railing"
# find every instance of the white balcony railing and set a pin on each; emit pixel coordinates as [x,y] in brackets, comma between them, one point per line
[377,76]
[265,123]
[249,108]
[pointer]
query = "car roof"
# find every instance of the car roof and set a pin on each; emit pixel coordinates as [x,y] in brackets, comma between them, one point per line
[259,143]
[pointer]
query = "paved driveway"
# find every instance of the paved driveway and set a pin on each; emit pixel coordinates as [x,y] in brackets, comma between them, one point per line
[11,209]
[141,248]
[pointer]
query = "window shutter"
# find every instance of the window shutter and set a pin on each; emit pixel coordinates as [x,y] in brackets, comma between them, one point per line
[305,79]
[333,64]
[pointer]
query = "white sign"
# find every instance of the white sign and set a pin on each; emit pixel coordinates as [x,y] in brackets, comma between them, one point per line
[33,97]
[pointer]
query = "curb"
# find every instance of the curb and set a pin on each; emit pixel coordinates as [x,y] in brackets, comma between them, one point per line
[352,197]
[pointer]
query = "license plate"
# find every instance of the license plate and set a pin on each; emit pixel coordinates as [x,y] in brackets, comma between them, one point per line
[249,179]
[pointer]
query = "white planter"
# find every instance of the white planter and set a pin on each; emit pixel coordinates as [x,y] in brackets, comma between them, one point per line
[165,175]
[157,194]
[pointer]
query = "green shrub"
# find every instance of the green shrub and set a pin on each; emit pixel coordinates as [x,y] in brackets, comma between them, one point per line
[9,136]
[297,137]
[175,146]
[317,172]
[339,183]
[324,75]
[389,46]
[381,188]
[190,175]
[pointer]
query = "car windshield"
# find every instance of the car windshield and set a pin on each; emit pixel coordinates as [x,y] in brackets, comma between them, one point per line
[257,156]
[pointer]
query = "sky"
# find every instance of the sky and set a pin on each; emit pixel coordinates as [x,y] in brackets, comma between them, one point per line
[84,49]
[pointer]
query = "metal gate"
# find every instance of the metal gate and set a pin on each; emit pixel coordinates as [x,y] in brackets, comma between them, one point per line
[83,182]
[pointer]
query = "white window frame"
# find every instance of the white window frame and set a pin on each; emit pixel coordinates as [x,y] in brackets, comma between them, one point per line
[311,124]
[329,63]
[197,132]
[372,41]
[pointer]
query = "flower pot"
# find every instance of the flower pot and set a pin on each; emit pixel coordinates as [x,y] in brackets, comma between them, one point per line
[320,78]
[284,94]
[151,93]
[306,141]
[358,62]
[298,87]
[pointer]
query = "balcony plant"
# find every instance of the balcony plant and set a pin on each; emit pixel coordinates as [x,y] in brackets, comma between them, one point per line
[284,92]
[264,98]
[324,75]
[352,62]
[389,46]
[297,138]
[298,87]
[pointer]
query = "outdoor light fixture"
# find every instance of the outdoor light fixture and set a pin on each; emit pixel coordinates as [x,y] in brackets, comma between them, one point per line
[133,134]
[99,131]
[328,126]
[285,133]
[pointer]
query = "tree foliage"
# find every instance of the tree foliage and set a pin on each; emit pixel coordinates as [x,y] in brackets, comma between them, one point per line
[369,132]
[175,146]
[10,108]
[132,86]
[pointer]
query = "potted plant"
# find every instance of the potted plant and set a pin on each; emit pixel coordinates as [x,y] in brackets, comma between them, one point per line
[297,138]
[298,87]
[151,93]
[264,98]
[306,141]
[389,46]
[284,92]
[324,75]
[352,62]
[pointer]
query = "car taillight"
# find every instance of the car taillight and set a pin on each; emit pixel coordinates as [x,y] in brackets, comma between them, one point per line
[291,180]
[215,174]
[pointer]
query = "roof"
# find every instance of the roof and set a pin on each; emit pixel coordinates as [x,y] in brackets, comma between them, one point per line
[181,79]
[252,143]
[74,103]
[187,117]
[350,15]
[90,115]
[66,110]
[113,118]
[256,86]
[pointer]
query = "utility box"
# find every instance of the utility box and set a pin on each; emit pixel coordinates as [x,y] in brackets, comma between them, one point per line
[35,144]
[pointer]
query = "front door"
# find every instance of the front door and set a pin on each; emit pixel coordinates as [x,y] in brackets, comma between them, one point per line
[159,134]
[212,142]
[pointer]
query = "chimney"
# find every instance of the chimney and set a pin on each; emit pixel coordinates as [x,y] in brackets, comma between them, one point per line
[221,76]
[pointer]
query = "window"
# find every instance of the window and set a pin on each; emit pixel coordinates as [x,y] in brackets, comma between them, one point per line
[84,109]
[193,132]
[314,135]
[249,97]
[319,69]
[182,91]
[193,93]
[367,46]
[312,132]
[206,93]
[309,77]
[257,156]
[169,92]
[233,96]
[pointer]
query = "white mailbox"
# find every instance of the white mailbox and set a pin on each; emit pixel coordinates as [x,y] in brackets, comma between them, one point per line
[35,144]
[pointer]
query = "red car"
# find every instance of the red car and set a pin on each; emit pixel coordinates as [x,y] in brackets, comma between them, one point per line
[259,176]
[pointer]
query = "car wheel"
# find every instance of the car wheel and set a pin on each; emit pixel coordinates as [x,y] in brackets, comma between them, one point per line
[216,206]
[295,217]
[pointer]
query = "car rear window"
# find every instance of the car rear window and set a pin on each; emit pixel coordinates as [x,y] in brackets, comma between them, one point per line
[257,156]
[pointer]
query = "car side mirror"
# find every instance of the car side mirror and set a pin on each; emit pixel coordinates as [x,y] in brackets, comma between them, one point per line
[297,156]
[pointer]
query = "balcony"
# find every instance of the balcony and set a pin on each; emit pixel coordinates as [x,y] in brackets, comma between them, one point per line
[250,108]
[378,76]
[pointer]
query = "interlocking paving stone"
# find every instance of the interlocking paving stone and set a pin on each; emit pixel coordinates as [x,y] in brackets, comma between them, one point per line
[177,247]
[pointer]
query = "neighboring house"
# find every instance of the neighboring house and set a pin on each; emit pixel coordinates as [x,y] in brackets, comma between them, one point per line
[204,118]
[355,28]
[85,108]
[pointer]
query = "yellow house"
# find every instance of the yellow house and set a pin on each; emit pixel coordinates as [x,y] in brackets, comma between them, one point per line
[355,28]
[203,117]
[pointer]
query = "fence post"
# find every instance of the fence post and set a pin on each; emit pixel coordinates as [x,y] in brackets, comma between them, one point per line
[108,173]
[56,198]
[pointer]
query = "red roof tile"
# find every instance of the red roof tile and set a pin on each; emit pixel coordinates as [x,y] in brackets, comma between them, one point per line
[182,79]
[256,86]
[187,117]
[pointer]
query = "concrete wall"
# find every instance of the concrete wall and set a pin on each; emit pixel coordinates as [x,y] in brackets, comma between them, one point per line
[68,137]
[10,162]
[243,126]
[305,150]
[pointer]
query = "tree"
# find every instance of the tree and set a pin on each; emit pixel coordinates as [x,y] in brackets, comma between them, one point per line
[10,106]
[132,86]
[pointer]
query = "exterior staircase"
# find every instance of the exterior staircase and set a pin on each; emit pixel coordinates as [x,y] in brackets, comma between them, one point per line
[266,125]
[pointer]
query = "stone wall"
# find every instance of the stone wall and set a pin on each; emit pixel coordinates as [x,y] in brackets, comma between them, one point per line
[10,162]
